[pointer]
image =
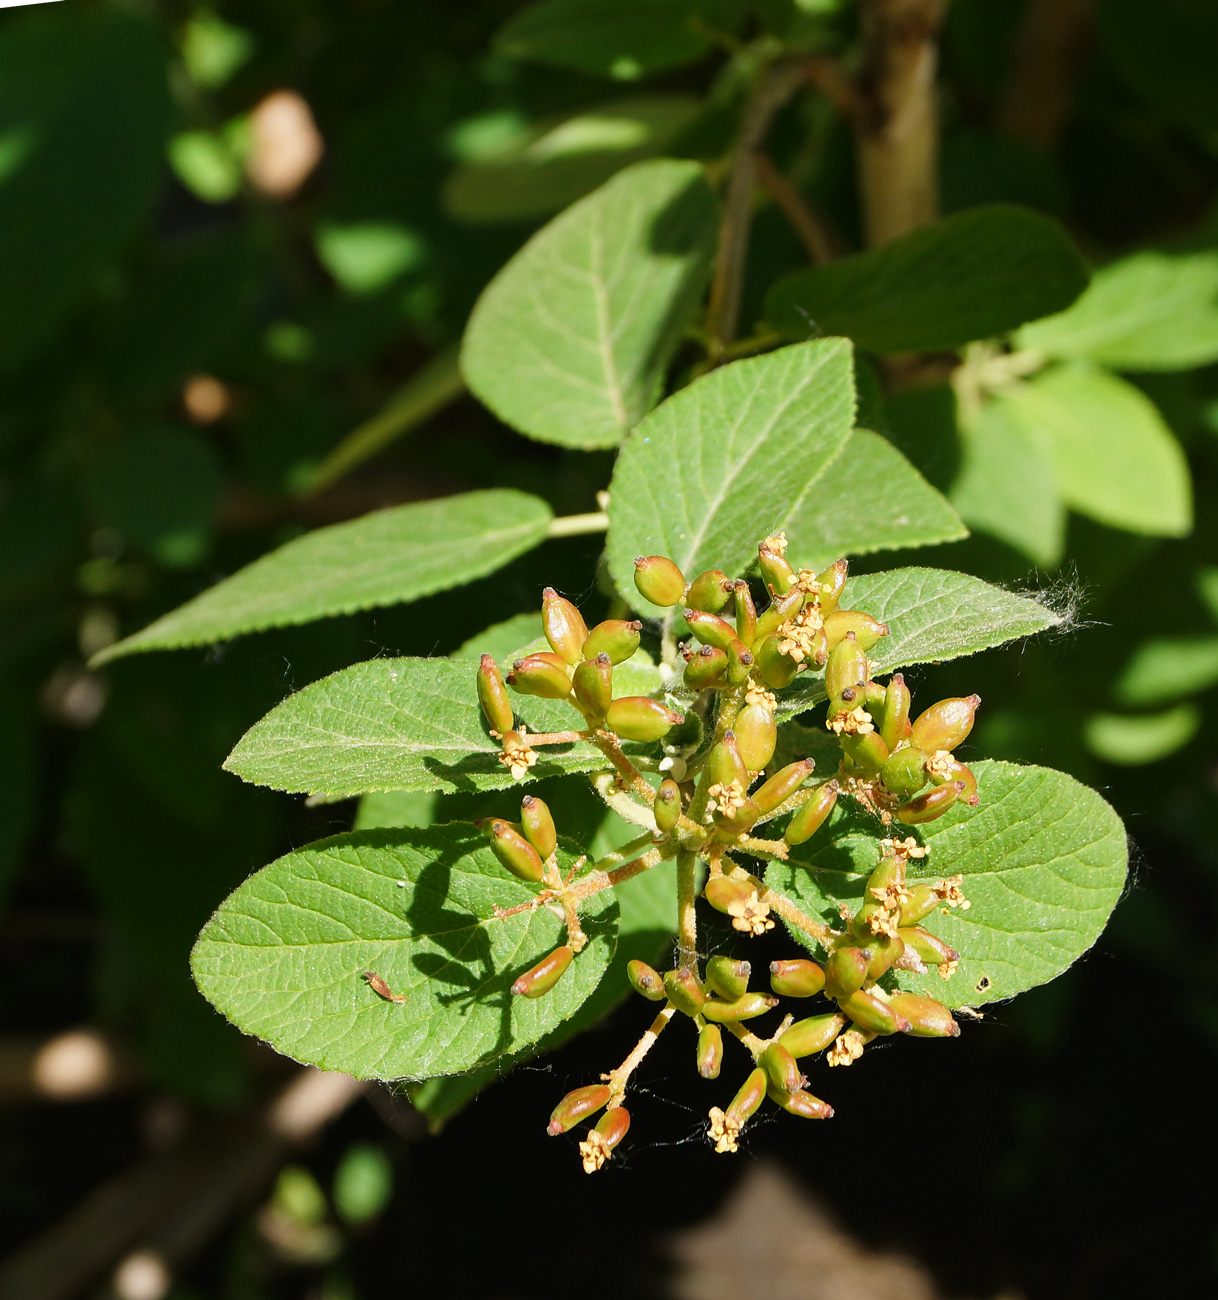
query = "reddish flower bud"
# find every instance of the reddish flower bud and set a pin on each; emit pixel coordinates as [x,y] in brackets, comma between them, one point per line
[646,981]
[796,978]
[592,683]
[542,977]
[705,669]
[802,1103]
[865,749]
[867,630]
[684,991]
[926,1017]
[710,629]
[710,1051]
[944,770]
[724,763]
[929,947]
[774,669]
[846,971]
[614,637]
[744,1104]
[746,613]
[810,817]
[666,807]
[493,696]
[613,1126]
[710,591]
[564,626]
[658,580]
[746,1007]
[737,819]
[807,1037]
[946,724]
[722,891]
[756,736]
[538,825]
[905,771]
[540,674]
[637,717]
[784,1074]
[873,1014]
[885,952]
[782,785]
[577,1105]
[513,850]
[934,803]
[728,977]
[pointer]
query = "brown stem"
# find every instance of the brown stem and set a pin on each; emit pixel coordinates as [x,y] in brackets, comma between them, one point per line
[803,218]
[618,1079]
[1051,46]
[897,132]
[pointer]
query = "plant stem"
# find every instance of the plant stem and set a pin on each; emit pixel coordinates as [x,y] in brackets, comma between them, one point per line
[687,917]
[618,1079]
[803,218]
[596,521]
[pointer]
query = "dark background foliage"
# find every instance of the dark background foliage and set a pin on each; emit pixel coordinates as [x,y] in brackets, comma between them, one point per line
[1058,1140]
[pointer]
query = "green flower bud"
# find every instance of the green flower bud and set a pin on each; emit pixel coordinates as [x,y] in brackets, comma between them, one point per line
[728,977]
[706,668]
[756,736]
[744,1104]
[710,629]
[542,977]
[946,724]
[945,769]
[802,1103]
[892,720]
[865,749]
[710,591]
[796,978]
[746,613]
[684,991]
[539,674]
[578,1105]
[778,611]
[929,947]
[493,696]
[592,685]
[737,820]
[746,1007]
[807,1037]
[884,951]
[722,891]
[666,807]
[513,850]
[923,898]
[615,638]
[867,630]
[782,785]
[774,669]
[776,573]
[845,971]
[831,582]
[926,807]
[882,894]
[724,763]
[784,1074]
[645,981]
[810,817]
[739,662]
[658,580]
[637,717]
[873,1014]
[926,1017]
[538,825]
[905,771]
[846,668]
[564,626]
[710,1051]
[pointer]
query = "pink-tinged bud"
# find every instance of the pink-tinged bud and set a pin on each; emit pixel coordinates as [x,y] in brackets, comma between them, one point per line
[724,763]
[684,991]
[592,684]
[756,736]
[493,696]
[784,1074]
[710,1051]
[776,573]
[614,637]
[926,1017]
[782,785]
[577,1105]
[927,807]
[846,971]
[638,717]
[541,675]
[710,629]
[710,591]
[645,981]
[867,630]
[873,1014]
[831,582]
[542,977]
[728,977]
[746,613]
[613,1126]
[745,1102]
[810,817]
[513,850]
[846,669]
[946,724]
[774,668]
[929,947]
[777,612]
[945,770]
[746,1007]
[895,713]
[905,772]
[802,1103]
[666,807]
[885,952]
[807,1037]
[797,978]
[564,626]
[722,891]
[658,580]
[538,825]
[705,669]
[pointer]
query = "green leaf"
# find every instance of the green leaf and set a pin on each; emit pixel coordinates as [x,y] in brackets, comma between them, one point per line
[561,160]
[570,341]
[971,276]
[1113,456]
[501,639]
[895,508]
[932,615]
[396,724]
[1006,486]
[623,39]
[84,115]
[1151,311]
[1043,859]
[724,462]
[284,956]
[383,558]
[1131,740]
[1165,668]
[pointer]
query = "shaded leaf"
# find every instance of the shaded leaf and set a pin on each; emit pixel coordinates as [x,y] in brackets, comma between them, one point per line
[1165,668]
[1134,739]
[285,953]
[569,342]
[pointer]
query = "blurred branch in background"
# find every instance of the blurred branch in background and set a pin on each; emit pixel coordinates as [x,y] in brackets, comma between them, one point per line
[1050,49]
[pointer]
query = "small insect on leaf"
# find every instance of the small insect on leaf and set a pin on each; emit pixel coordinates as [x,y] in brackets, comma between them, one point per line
[381,989]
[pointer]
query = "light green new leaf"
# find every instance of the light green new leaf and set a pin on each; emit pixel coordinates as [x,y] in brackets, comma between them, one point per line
[1151,311]
[869,499]
[932,615]
[1113,456]
[561,160]
[396,724]
[1166,668]
[1006,486]
[724,462]
[570,341]
[383,558]
[971,276]
[1043,859]
[1134,739]
[285,954]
